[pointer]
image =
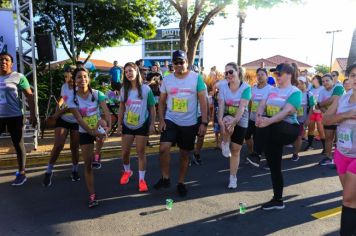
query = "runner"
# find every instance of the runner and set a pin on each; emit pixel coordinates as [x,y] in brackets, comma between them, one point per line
[316,117]
[258,92]
[342,113]
[180,94]
[11,114]
[234,97]
[215,97]
[136,120]
[347,85]
[303,114]
[326,97]
[280,127]
[65,123]
[84,104]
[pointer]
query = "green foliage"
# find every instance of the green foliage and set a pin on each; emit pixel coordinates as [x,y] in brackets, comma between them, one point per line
[5,4]
[322,69]
[243,4]
[99,24]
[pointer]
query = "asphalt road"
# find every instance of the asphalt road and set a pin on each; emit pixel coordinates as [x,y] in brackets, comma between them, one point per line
[209,209]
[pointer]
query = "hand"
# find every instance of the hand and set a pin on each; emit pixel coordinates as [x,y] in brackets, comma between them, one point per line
[162,126]
[152,129]
[202,130]
[33,120]
[264,122]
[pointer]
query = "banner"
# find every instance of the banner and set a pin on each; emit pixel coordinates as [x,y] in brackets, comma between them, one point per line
[7,34]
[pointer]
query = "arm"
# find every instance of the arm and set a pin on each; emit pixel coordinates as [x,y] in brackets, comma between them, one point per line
[120,116]
[287,110]
[204,112]
[153,118]
[59,111]
[31,103]
[106,114]
[239,113]
[162,110]
[260,110]
[331,118]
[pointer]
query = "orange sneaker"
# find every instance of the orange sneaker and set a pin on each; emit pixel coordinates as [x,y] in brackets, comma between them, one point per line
[142,186]
[125,177]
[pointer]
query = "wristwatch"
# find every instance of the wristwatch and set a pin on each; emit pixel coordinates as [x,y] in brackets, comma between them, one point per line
[205,123]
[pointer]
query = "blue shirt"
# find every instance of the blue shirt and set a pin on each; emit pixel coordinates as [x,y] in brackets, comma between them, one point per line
[115,73]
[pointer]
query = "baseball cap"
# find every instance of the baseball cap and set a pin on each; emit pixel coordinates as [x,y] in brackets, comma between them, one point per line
[302,78]
[179,54]
[283,68]
[271,81]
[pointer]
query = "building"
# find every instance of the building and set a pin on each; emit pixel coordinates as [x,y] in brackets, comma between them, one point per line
[161,47]
[340,65]
[99,65]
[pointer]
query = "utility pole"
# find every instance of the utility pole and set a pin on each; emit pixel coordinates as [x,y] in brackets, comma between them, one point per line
[72,5]
[242,17]
[332,45]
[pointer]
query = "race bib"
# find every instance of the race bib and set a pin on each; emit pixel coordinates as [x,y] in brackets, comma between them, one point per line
[2,97]
[272,110]
[300,111]
[132,118]
[91,121]
[232,110]
[180,105]
[344,138]
[254,106]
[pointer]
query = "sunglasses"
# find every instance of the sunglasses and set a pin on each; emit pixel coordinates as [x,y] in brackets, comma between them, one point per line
[333,75]
[229,72]
[179,63]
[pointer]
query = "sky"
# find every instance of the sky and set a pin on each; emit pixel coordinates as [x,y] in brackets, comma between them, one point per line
[297,31]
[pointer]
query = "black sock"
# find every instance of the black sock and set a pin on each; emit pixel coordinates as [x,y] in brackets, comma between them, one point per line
[323,142]
[348,221]
[310,140]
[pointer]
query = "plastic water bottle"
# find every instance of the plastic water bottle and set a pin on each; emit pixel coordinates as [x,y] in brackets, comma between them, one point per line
[242,207]
[169,204]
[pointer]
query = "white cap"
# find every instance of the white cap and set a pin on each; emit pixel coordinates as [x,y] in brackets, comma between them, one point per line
[303,79]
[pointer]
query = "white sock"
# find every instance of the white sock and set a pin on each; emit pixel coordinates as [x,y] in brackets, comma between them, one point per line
[127,167]
[233,177]
[141,174]
[49,168]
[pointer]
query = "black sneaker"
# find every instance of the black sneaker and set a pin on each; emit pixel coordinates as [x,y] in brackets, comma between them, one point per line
[182,190]
[295,157]
[93,203]
[265,167]
[75,176]
[325,161]
[196,160]
[254,159]
[47,180]
[19,180]
[162,183]
[274,204]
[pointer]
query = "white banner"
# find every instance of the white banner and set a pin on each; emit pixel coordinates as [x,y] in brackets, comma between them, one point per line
[7,34]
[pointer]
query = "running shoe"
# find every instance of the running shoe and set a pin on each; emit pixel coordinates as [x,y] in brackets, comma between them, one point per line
[325,161]
[125,177]
[93,202]
[308,148]
[295,157]
[332,165]
[323,152]
[195,159]
[225,149]
[182,190]
[274,204]
[47,180]
[254,159]
[162,183]
[75,176]
[265,166]
[289,146]
[142,186]
[96,162]
[232,182]
[19,180]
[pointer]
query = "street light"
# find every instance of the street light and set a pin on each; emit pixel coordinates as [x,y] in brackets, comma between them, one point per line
[332,45]
[72,4]
[242,17]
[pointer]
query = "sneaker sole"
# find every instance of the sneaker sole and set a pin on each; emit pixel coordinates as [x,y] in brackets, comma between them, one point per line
[295,160]
[253,163]
[229,187]
[75,180]
[273,208]
[19,184]
[49,185]
[96,167]
[93,205]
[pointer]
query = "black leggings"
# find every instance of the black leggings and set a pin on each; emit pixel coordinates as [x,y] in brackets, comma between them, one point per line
[15,127]
[275,137]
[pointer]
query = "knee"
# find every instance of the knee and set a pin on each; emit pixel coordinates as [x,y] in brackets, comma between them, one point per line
[58,147]
[141,153]
[163,150]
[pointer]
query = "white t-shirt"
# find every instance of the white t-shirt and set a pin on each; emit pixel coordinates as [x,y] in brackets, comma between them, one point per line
[66,93]
[257,95]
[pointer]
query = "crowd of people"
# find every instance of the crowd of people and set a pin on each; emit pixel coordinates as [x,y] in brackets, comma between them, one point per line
[268,115]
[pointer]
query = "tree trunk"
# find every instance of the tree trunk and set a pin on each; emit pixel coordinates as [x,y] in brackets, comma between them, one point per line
[192,48]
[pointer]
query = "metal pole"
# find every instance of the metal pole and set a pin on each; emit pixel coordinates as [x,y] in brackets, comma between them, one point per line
[241,16]
[72,30]
[332,51]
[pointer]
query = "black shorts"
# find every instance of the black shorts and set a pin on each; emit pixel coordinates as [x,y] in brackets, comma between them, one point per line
[238,135]
[60,123]
[251,130]
[143,131]
[183,136]
[330,127]
[85,138]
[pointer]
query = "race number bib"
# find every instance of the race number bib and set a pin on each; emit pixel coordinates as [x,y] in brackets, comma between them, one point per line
[300,111]
[2,97]
[232,110]
[254,106]
[91,121]
[180,105]
[132,118]
[272,110]
[344,138]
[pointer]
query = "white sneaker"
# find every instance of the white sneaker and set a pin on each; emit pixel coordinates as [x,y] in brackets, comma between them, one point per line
[232,182]
[225,149]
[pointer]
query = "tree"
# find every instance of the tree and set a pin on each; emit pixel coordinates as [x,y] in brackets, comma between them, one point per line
[195,16]
[5,4]
[99,24]
[322,69]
